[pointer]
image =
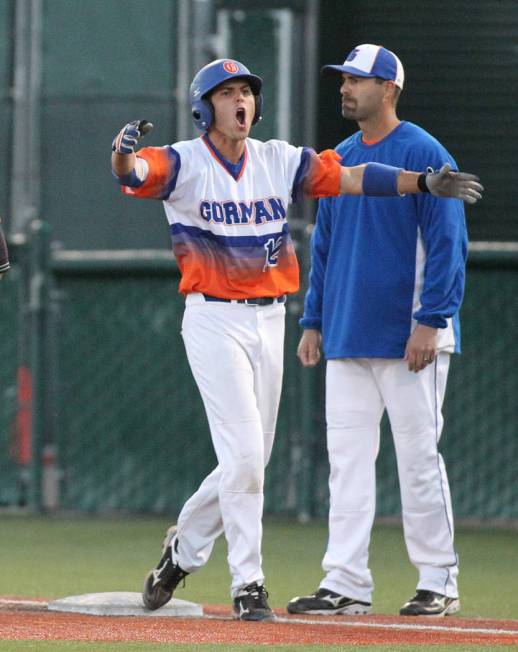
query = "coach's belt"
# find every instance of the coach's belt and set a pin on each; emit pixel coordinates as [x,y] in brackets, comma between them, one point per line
[256,301]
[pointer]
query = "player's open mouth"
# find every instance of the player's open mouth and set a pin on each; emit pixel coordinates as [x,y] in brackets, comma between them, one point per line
[241,116]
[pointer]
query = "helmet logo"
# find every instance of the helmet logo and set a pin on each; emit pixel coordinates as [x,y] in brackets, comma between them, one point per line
[230,67]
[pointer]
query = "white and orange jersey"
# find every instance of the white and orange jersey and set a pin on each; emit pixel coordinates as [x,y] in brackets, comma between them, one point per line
[228,226]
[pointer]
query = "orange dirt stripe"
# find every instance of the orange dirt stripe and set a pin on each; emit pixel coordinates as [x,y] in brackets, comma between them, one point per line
[220,628]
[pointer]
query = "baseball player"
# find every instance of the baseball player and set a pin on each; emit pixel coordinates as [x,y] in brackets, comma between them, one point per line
[4,254]
[386,285]
[226,197]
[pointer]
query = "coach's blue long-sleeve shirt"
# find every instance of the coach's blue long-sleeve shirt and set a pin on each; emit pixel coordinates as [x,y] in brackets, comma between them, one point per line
[381,264]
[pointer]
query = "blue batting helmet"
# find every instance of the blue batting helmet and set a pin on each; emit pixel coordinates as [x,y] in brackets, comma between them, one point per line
[212,75]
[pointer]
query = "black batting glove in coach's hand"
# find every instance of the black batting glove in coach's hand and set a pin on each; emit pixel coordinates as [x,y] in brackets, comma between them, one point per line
[459,185]
[125,141]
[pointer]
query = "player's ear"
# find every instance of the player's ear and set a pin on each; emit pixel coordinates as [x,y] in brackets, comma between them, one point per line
[390,92]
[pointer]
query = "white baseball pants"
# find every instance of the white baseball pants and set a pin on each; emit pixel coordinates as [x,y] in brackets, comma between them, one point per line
[357,393]
[236,356]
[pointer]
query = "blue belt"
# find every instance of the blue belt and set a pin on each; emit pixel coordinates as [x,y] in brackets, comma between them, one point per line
[256,301]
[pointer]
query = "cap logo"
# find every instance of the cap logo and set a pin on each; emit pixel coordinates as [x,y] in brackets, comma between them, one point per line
[352,55]
[230,67]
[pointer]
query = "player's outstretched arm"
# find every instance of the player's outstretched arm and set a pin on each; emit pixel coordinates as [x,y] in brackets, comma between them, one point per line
[123,146]
[378,180]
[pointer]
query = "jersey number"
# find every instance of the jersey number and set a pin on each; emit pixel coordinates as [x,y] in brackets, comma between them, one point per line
[273,248]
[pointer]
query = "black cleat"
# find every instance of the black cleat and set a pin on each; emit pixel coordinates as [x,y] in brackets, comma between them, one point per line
[428,603]
[161,582]
[250,604]
[324,602]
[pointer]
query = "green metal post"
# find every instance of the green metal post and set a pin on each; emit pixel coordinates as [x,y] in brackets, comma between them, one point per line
[38,290]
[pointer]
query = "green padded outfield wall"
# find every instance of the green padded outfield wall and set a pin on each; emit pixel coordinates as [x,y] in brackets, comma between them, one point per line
[105,62]
[131,432]
[132,429]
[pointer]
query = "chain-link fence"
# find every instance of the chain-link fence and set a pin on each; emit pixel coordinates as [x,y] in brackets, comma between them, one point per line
[132,430]
[120,425]
[13,456]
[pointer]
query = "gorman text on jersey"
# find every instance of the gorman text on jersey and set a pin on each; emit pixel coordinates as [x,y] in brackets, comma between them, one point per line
[259,211]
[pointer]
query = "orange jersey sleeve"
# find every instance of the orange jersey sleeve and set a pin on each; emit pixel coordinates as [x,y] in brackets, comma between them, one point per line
[164,165]
[324,175]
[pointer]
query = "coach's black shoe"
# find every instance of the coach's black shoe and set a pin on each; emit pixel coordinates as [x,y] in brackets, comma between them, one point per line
[251,603]
[428,603]
[161,582]
[326,602]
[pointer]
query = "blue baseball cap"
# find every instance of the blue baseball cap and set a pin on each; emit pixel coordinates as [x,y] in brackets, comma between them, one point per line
[369,60]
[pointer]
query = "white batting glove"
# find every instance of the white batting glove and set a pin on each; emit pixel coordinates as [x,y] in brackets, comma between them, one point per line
[125,141]
[459,185]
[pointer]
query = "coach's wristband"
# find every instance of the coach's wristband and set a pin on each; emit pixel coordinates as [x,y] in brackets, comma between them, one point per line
[421,182]
[380,180]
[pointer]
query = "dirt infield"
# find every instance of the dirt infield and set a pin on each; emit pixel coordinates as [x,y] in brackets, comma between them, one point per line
[29,619]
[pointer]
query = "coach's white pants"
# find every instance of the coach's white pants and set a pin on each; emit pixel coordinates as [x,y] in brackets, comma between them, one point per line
[236,356]
[357,393]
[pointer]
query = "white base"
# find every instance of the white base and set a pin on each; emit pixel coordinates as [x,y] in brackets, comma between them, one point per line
[122,603]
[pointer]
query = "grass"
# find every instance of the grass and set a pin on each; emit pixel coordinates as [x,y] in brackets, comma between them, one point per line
[66,646]
[56,556]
